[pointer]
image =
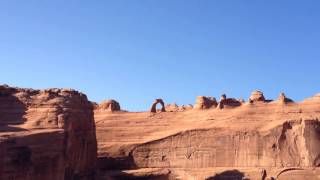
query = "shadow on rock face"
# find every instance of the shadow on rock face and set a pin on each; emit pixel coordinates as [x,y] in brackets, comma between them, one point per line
[125,176]
[21,156]
[110,163]
[228,175]
[12,111]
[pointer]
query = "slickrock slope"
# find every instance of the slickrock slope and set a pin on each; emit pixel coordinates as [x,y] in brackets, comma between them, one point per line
[256,140]
[46,134]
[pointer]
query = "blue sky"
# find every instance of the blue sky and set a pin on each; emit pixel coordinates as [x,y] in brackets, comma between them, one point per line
[136,51]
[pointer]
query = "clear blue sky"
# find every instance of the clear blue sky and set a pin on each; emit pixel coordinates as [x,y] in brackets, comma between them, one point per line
[138,50]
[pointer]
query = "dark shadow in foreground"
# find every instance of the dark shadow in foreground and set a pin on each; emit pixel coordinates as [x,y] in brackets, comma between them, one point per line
[228,175]
[125,176]
[115,163]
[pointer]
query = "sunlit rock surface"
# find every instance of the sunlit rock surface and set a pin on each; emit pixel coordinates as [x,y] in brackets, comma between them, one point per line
[252,141]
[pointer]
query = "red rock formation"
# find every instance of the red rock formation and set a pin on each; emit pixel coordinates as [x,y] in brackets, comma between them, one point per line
[240,142]
[228,102]
[153,108]
[46,134]
[204,102]
[172,107]
[257,96]
[109,105]
[175,108]
[50,134]
[283,99]
[187,107]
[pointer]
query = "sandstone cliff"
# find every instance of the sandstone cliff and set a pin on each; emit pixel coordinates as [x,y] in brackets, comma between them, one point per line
[46,134]
[50,134]
[256,140]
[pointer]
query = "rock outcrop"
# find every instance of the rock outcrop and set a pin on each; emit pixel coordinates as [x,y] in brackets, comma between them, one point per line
[172,107]
[175,108]
[205,102]
[313,99]
[257,96]
[283,99]
[46,134]
[109,105]
[228,102]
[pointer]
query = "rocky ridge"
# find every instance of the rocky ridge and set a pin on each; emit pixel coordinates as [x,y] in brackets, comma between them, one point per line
[229,139]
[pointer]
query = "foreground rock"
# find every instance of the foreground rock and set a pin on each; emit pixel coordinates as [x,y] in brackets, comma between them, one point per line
[46,134]
[281,140]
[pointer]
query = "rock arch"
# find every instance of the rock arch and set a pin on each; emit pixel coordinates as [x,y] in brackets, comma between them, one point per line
[154,106]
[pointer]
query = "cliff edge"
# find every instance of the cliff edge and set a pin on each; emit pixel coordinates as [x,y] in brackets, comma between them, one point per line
[46,134]
[258,139]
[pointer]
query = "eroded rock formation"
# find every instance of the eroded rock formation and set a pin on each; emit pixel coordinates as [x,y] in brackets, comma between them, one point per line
[46,134]
[175,108]
[205,102]
[172,107]
[240,142]
[283,99]
[153,108]
[50,134]
[109,105]
[228,102]
[291,144]
[257,96]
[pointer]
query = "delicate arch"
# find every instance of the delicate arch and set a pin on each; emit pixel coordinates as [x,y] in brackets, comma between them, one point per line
[154,106]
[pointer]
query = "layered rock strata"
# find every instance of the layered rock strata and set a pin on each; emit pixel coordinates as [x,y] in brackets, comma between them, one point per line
[281,139]
[46,134]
